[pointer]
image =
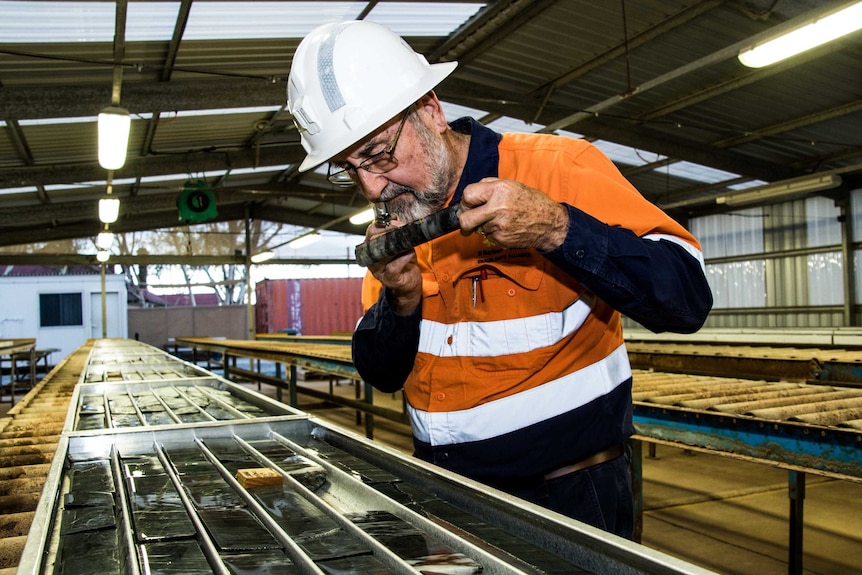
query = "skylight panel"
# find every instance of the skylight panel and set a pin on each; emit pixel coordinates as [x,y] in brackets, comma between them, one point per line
[567,134]
[212,174]
[88,185]
[12,191]
[626,155]
[55,22]
[165,178]
[454,111]
[223,111]
[507,124]
[698,173]
[54,121]
[747,185]
[149,21]
[422,18]
[258,170]
[78,186]
[250,20]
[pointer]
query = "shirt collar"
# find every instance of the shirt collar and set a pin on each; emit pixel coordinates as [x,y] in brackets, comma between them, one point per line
[483,157]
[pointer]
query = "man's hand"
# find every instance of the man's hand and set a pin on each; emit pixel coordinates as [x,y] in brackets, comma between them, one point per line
[513,215]
[400,275]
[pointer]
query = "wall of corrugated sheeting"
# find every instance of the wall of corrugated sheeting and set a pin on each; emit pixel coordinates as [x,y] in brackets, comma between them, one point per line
[783,265]
[308,306]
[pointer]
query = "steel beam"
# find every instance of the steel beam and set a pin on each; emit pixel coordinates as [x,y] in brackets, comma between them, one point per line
[833,452]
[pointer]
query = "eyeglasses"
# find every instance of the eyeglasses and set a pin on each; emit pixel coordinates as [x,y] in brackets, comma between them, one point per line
[379,163]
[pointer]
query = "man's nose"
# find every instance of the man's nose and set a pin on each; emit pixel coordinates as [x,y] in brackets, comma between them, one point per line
[372,184]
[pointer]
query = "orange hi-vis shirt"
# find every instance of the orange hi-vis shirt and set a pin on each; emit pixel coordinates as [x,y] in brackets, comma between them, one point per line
[517,359]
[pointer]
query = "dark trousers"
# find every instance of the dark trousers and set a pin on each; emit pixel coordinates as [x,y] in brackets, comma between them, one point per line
[600,496]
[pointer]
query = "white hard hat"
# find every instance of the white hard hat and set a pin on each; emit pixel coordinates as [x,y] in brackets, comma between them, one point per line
[349,78]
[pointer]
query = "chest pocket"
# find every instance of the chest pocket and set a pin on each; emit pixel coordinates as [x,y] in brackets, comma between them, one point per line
[506,323]
[509,288]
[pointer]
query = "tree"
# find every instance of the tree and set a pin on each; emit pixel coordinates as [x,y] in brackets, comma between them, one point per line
[227,281]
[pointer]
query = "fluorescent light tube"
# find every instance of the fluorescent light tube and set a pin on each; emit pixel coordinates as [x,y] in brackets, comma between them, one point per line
[781,190]
[262,257]
[362,217]
[303,241]
[807,36]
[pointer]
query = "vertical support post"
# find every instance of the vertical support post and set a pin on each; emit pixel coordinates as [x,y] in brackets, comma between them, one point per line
[846,219]
[796,492]
[33,368]
[104,303]
[357,393]
[249,309]
[369,417]
[637,488]
[278,375]
[292,394]
[12,368]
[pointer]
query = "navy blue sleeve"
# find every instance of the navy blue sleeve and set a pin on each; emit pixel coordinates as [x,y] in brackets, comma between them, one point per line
[656,283]
[385,345]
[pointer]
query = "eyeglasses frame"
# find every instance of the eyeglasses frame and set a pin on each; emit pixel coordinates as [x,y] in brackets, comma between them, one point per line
[367,163]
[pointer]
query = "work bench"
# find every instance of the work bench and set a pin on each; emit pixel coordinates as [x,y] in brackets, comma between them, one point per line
[16,350]
[695,412]
[332,359]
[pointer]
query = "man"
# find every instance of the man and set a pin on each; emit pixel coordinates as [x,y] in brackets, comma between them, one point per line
[506,338]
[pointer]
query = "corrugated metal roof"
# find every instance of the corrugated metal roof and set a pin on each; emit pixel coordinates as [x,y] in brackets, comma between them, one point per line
[656,86]
[47,271]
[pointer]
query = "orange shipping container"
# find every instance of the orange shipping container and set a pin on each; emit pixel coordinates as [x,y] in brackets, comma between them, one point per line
[308,306]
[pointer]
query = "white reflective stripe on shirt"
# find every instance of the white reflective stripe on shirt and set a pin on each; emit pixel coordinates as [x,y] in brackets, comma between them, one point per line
[504,337]
[695,253]
[523,409]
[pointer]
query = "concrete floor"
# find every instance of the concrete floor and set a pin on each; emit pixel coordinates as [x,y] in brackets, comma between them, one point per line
[731,516]
[723,514]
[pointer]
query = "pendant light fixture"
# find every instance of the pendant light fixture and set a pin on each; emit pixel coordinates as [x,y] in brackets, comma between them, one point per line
[114,126]
[104,240]
[109,209]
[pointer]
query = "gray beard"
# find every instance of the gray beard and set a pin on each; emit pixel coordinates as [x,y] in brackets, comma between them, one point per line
[410,204]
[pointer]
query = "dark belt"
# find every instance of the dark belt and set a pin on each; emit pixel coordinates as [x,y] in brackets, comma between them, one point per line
[601,457]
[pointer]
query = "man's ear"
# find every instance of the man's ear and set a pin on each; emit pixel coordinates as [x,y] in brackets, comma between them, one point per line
[434,110]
